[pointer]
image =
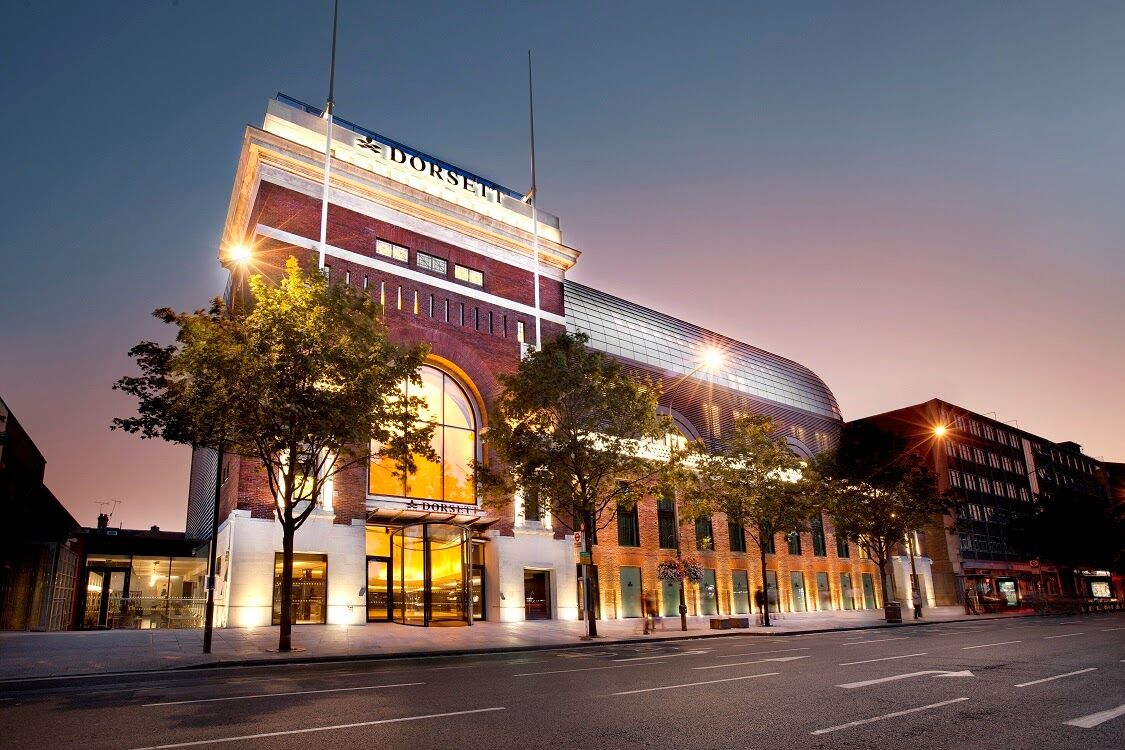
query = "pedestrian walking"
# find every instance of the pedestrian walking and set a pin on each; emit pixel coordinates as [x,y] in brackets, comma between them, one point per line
[649,604]
[760,603]
[970,603]
[917,604]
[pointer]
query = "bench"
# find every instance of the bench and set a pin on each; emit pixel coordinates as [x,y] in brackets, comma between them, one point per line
[720,623]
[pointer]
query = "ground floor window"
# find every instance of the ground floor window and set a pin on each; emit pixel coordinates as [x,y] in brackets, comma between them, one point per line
[631,594]
[823,593]
[772,594]
[847,596]
[708,594]
[670,598]
[537,594]
[868,591]
[138,592]
[797,580]
[310,589]
[740,592]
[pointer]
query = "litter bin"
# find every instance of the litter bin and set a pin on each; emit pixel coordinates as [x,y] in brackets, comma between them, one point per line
[893,612]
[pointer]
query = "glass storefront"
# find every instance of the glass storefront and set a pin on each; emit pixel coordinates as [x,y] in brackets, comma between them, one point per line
[823,593]
[144,592]
[740,592]
[847,596]
[708,594]
[797,581]
[430,574]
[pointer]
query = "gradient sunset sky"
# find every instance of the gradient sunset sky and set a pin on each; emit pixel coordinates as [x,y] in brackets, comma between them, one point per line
[912,199]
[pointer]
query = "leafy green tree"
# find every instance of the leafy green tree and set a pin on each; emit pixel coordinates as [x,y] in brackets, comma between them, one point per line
[569,430]
[303,381]
[877,492]
[754,479]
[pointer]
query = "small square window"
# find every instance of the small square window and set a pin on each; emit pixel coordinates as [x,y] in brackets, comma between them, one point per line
[431,263]
[468,275]
[392,251]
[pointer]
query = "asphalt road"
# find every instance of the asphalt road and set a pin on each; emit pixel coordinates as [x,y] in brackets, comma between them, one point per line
[1038,682]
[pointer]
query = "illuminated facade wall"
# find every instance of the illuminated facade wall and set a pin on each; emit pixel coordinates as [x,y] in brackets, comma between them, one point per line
[449,257]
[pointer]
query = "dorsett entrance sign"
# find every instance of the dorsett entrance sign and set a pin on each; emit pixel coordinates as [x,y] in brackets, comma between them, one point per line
[369,150]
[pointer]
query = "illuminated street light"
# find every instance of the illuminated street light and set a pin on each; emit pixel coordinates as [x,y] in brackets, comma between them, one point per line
[240,254]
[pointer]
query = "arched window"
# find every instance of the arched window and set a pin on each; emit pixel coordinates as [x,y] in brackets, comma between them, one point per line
[450,478]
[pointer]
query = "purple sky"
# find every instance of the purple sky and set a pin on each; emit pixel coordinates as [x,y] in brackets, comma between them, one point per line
[914,200]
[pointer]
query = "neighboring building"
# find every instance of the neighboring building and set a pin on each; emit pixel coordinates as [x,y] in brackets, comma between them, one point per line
[993,469]
[140,579]
[38,538]
[450,257]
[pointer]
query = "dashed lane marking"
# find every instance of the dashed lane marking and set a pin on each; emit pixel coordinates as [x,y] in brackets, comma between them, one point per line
[861,722]
[1056,677]
[588,669]
[1091,721]
[1064,635]
[989,645]
[307,730]
[885,658]
[877,640]
[696,684]
[278,695]
[759,653]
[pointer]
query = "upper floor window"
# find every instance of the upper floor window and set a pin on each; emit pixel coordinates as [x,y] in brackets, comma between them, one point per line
[468,275]
[794,540]
[392,251]
[704,536]
[431,263]
[666,521]
[842,547]
[737,537]
[628,531]
[819,548]
[450,477]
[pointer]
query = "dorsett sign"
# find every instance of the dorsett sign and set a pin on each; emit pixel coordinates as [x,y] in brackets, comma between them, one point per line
[424,166]
[444,507]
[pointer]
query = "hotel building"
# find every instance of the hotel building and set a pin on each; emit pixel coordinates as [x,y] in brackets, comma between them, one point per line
[451,258]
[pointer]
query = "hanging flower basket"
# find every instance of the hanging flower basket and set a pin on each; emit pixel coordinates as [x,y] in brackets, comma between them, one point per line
[680,570]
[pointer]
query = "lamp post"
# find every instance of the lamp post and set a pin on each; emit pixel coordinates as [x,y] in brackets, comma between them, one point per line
[710,360]
[237,256]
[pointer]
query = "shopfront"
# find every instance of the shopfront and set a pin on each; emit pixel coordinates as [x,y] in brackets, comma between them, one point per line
[142,592]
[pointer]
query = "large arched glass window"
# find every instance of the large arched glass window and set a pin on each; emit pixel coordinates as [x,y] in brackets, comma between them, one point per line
[450,478]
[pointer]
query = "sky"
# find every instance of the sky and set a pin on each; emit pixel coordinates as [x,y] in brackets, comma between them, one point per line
[912,199]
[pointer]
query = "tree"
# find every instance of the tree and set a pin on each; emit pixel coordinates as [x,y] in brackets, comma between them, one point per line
[754,479]
[877,492]
[304,381]
[569,429]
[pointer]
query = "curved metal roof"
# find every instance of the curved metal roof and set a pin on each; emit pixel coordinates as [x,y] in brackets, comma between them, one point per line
[624,329]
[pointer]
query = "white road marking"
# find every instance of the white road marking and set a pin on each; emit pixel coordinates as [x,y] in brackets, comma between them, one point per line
[1106,630]
[662,656]
[1057,677]
[278,695]
[696,684]
[588,669]
[197,743]
[887,716]
[990,645]
[756,661]
[877,640]
[937,672]
[1064,635]
[759,653]
[1088,722]
[885,658]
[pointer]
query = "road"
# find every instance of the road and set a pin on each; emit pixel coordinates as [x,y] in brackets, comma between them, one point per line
[1037,682]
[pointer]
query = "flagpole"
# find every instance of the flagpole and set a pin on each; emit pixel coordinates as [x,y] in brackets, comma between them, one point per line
[328,137]
[534,211]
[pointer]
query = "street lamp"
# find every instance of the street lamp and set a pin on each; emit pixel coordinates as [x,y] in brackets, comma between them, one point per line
[711,358]
[238,255]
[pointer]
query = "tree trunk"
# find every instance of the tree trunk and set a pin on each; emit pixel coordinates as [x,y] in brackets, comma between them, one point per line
[883,580]
[285,640]
[765,587]
[587,591]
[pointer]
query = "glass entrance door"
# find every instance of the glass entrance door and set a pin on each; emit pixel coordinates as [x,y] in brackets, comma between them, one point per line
[105,592]
[537,595]
[378,589]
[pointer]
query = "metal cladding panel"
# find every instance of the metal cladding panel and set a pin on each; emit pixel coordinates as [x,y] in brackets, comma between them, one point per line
[632,332]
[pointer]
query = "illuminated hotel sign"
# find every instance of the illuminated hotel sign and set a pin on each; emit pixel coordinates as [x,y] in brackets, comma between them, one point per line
[424,166]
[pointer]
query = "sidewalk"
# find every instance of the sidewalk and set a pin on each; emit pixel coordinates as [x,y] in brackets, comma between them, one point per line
[35,655]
